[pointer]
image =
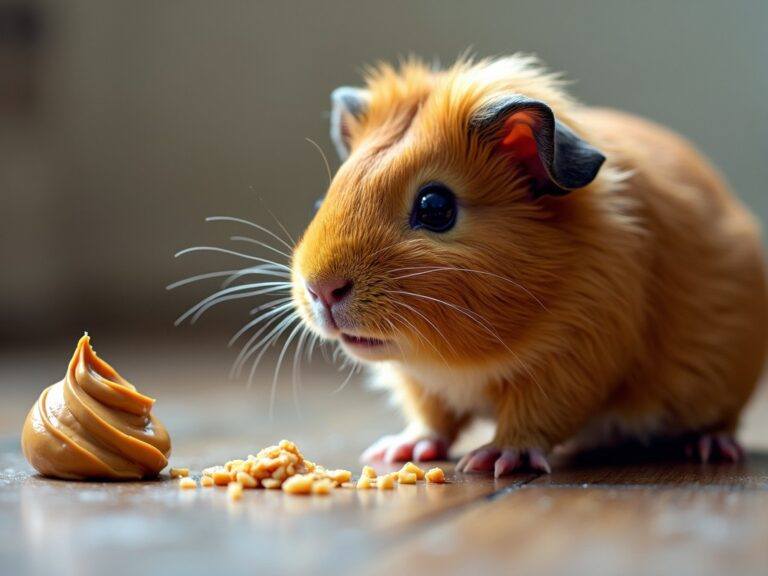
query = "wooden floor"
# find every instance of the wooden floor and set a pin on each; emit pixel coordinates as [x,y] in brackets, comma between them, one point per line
[607,515]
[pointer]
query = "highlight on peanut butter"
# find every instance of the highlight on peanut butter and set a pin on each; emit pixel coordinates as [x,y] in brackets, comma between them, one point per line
[94,424]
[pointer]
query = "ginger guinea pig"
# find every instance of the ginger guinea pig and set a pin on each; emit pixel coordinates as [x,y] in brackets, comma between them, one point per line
[491,248]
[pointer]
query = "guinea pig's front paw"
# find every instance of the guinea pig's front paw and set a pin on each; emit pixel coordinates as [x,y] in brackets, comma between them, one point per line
[503,461]
[406,446]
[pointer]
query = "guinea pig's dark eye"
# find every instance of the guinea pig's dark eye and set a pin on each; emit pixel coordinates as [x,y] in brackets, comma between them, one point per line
[434,208]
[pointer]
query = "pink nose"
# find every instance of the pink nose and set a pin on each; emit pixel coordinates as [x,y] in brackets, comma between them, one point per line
[331,291]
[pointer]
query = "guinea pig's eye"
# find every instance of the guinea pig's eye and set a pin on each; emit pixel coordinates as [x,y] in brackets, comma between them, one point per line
[434,208]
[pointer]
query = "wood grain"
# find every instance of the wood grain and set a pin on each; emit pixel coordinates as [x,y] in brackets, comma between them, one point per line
[613,513]
[597,532]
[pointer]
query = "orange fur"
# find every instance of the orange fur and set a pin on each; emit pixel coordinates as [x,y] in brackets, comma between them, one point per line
[637,302]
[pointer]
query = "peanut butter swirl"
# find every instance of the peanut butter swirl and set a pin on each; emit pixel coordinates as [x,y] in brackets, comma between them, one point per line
[94,425]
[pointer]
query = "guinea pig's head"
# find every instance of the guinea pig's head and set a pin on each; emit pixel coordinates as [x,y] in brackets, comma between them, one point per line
[441,236]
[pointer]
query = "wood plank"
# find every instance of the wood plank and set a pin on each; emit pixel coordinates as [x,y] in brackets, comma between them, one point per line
[550,530]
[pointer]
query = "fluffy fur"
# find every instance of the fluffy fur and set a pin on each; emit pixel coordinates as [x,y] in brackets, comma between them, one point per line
[637,303]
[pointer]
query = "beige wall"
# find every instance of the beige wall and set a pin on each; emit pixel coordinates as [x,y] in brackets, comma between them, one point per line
[152,115]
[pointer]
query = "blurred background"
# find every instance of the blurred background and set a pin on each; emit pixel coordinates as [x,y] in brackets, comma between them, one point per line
[124,124]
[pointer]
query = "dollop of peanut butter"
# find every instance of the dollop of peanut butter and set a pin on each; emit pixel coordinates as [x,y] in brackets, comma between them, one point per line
[94,425]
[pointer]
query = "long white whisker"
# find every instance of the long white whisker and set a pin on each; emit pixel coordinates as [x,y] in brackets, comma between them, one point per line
[240,296]
[273,310]
[297,368]
[249,349]
[249,223]
[288,341]
[261,307]
[230,252]
[265,342]
[259,243]
[324,157]
[199,277]
[471,270]
[345,382]
[428,321]
[279,223]
[269,270]
[204,303]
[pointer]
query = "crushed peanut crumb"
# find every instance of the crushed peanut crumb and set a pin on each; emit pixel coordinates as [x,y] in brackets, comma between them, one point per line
[246,480]
[413,469]
[186,483]
[206,481]
[435,476]
[364,483]
[369,472]
[404,477]
[299,484]
[386,482]
[323,486]
[235,491]
[179,472]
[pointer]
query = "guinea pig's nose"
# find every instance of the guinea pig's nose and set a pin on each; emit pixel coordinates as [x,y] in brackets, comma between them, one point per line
[331,291]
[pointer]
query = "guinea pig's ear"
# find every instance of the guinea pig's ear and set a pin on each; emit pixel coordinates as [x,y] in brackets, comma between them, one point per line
[348,105]
[556,159]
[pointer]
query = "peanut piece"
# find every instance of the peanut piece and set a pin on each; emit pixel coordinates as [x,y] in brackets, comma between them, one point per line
[221,478]
[322,486]
[386,482]
[179,472]
[246,480]
[369,472]
[235,491]
[187,483]
[364,483]
[435,476]
[206,481]
[406,477]
[413,469]
[298,484]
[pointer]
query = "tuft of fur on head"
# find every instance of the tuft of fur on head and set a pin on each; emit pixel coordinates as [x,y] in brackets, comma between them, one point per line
[514,276]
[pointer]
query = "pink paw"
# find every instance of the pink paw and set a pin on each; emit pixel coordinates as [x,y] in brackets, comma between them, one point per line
[402,448]
[503,461]
[715,448]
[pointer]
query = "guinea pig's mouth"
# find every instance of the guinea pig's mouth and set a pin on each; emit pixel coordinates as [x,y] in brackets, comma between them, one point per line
[361,341]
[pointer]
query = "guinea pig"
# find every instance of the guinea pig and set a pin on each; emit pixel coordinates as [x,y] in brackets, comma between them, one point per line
[491,248]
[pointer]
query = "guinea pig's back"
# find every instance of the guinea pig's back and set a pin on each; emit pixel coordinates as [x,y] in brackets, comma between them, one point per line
[707,302]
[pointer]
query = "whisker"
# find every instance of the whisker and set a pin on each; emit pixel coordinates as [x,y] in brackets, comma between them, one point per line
[486,326]
[278,222]
[346,381]
[269,270]
[297,385]
[259,243]
[231,253]
[249,223]
[220,296]
[421,334]
[248,350]
[324,157]
[261,307]
[266,341]
[273,394]
[274,310]
[470,270]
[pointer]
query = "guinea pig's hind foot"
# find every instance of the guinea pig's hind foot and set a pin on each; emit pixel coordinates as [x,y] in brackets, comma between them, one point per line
[404,447]
[503,461]
[719,447]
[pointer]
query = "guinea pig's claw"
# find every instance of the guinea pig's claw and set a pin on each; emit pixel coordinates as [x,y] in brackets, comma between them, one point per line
[503,462]
[714,447]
